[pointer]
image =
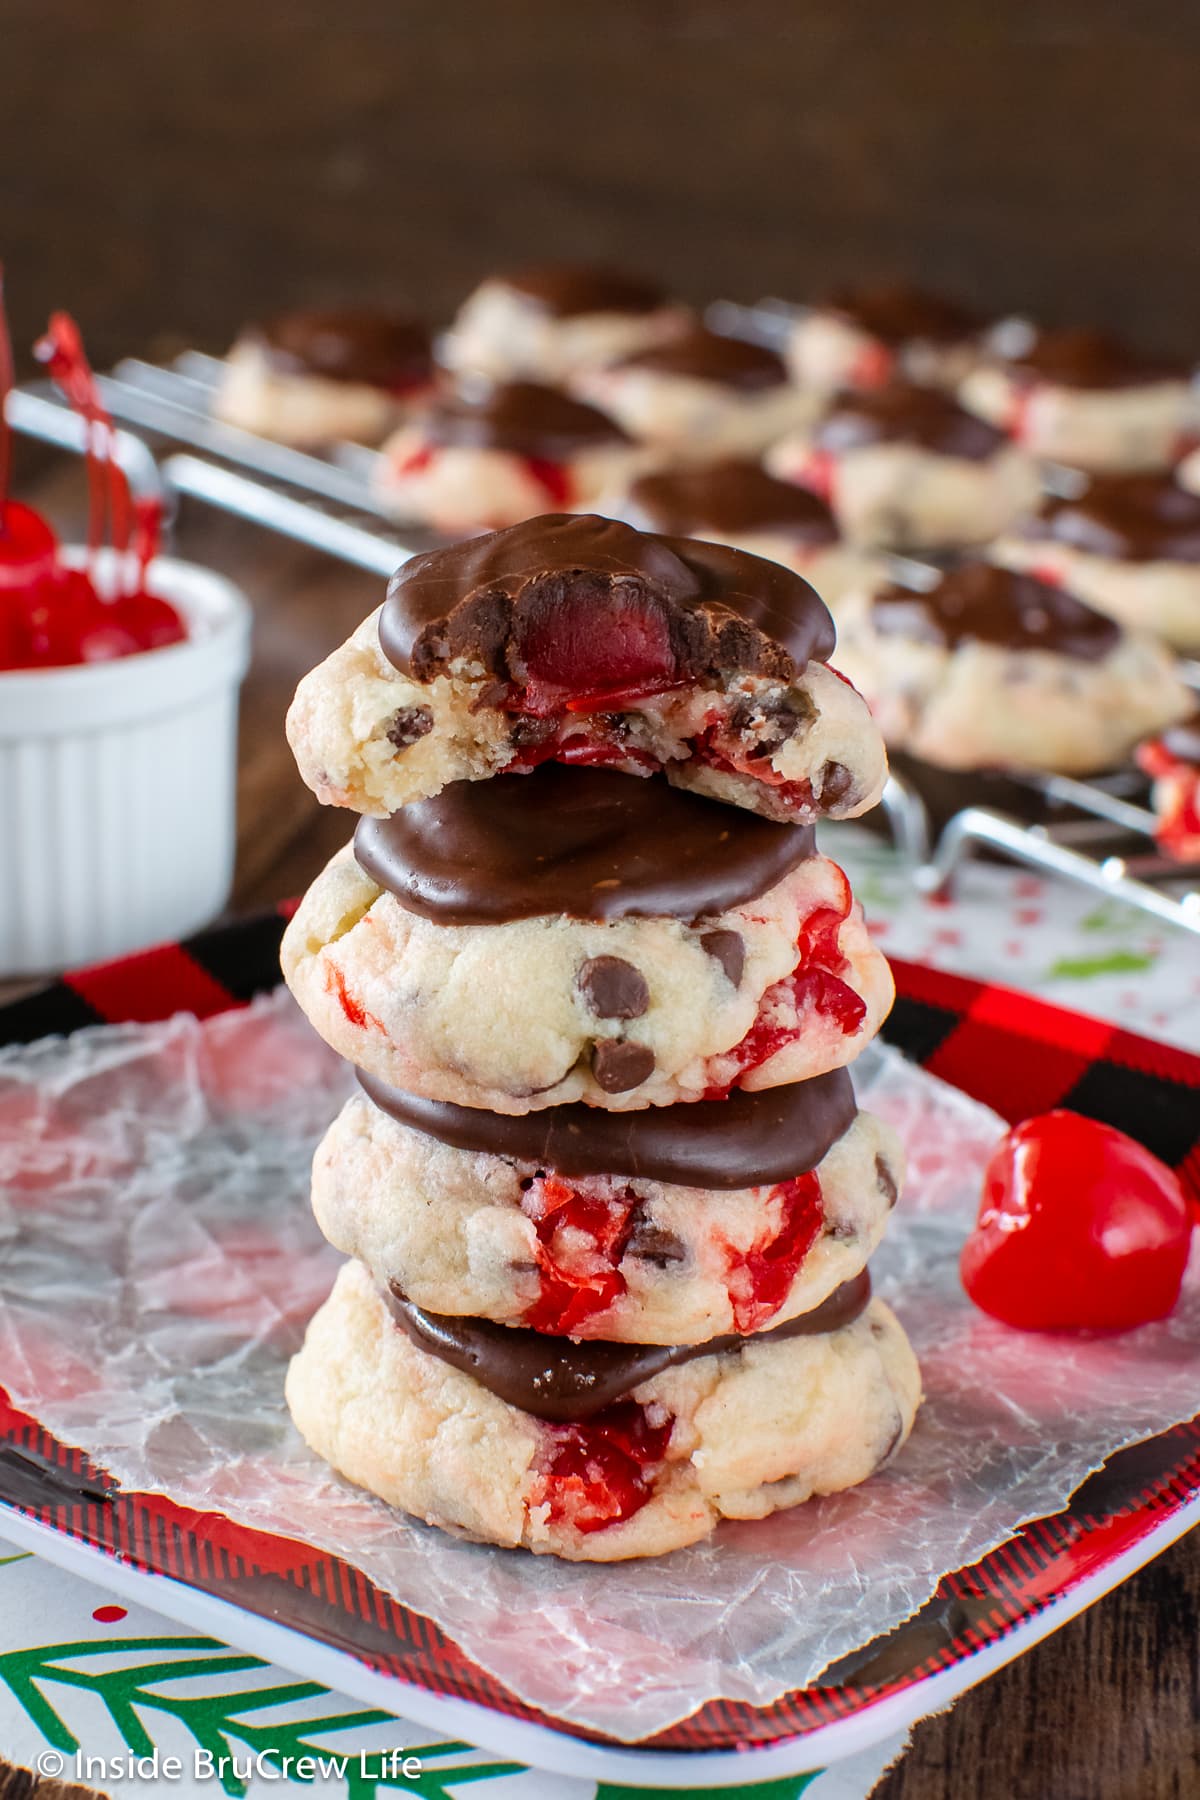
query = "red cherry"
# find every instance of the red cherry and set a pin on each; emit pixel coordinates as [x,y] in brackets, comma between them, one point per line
[872,367]
[151,622]
[28,547]
[760,1278]
[595,642]
[600,1471]
[814,981]
[581,1240]
[553,479]
[1078,1227]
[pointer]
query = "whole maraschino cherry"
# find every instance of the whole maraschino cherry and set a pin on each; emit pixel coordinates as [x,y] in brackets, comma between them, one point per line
[1079,1228]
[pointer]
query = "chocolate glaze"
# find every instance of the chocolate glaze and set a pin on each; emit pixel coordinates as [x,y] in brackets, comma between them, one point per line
[895,313]
[718,609]
[1135,518]
[1080,357]
[379,349]
[569,290]
[520,416]
[902,413]
[749,1140]
[561,1379]
[731,497]
[1183,740]
[980,602]
[586,842]
[701,355]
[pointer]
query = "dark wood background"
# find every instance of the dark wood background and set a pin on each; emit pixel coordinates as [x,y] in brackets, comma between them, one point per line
[167,170]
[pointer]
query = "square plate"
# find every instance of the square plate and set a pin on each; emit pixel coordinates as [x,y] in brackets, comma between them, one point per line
[313,1613]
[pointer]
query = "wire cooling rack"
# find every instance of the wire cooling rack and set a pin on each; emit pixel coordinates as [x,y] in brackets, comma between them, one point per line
[1096,833]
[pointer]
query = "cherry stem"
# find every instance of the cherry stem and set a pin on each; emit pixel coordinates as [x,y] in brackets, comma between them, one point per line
[110,504]
[148,520]
[6,387]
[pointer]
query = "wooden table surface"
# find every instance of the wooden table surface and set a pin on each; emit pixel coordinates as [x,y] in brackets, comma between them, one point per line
[1106,1709]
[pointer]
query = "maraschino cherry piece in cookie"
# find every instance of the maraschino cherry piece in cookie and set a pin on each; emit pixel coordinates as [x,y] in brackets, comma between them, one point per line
[1079,1227]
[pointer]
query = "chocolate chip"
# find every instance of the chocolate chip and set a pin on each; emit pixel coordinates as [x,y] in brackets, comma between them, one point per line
[842,1232]
[654,1243]
[729,949]
[527,730]
[619,1066]
[491,697]
[613,988]
[887,1181]
[770,719]
[835,782]
[409,725]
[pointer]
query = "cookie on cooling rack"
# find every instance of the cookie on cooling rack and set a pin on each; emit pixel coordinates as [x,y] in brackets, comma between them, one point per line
[1083,398]
[906,468]
[307,378]
[545,322]
[988,667]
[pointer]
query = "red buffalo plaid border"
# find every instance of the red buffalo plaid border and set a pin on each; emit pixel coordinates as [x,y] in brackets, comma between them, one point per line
[1017,1054]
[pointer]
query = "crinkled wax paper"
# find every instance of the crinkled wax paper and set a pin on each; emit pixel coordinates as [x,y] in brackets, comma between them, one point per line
[158,1263]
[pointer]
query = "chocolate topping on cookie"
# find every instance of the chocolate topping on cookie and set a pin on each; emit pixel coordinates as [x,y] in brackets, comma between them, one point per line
[585,842]
[1134,518]
[522,417]
[561,1379]
[902,413]
[699,355]
[748,1140]
[378,349]
[730,497]
[569,290]
[895,313]
[980,602]
[1080,357]
[585,603]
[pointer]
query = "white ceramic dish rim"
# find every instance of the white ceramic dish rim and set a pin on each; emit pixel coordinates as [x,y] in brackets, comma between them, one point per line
[38,703]
[540,1745]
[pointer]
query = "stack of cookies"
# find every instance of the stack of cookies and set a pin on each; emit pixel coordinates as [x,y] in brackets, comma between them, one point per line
[607,1195]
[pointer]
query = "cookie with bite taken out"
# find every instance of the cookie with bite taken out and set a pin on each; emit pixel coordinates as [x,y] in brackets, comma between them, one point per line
[580,640]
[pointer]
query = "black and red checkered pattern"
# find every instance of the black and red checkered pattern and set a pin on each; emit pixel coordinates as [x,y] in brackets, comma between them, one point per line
[1017,1054]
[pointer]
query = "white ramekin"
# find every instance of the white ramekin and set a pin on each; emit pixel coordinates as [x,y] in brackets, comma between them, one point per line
[117,787]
